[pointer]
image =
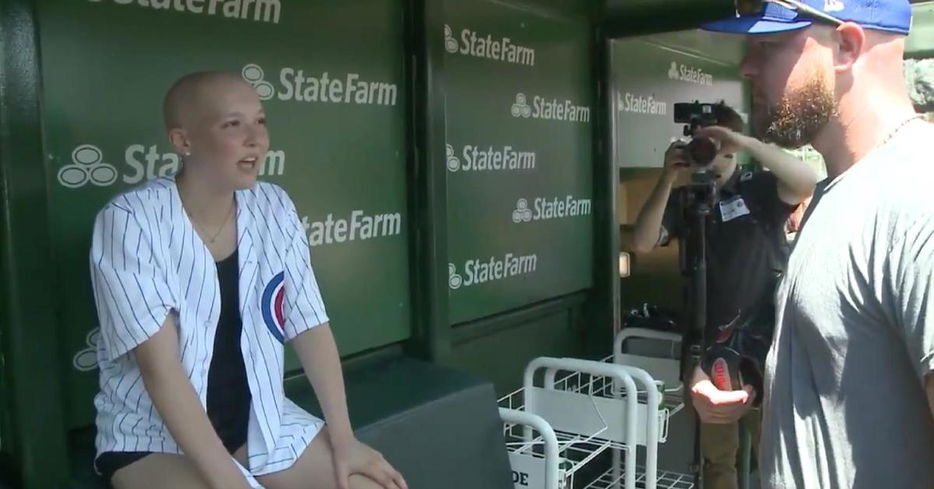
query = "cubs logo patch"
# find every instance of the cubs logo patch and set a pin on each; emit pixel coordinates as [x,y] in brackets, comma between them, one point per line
[272,305]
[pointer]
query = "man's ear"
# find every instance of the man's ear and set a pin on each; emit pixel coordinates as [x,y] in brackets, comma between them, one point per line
[849,40]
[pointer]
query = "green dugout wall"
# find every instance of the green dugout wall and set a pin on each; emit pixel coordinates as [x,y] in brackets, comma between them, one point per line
[518,152]
[514,125]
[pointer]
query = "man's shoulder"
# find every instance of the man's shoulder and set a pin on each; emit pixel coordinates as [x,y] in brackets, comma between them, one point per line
[906,171]
[908,152]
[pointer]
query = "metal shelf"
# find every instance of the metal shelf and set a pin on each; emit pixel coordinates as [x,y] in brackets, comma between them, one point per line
[663,480]
[569,411]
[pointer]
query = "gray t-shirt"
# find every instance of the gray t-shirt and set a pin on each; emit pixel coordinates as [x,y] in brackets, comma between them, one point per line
[844,403]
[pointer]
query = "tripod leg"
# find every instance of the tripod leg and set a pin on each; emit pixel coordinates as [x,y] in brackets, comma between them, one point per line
[698,464]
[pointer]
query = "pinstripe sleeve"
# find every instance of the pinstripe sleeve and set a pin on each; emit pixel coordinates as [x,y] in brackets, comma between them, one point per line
[304,308]
[129,282]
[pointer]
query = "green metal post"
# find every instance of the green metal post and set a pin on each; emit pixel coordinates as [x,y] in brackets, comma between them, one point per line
[428,184]
[30,346]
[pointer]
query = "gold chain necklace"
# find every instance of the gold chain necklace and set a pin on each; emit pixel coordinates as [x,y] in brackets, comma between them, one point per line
[899,127]
[222,226]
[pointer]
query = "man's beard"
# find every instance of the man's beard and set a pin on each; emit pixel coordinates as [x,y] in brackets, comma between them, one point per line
[800,115]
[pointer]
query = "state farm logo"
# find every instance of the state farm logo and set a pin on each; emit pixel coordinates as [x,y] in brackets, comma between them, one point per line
[254,75]
[295,85]
[481,270]
[548,108]
[545,208]
[87,166]
[521,107]
[140,162]
[522,213]
[473,43]
[266,11]
[689,74]
[475,158]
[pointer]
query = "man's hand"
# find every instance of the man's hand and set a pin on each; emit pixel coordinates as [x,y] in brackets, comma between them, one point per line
[730,140]
[676,159]
[716,406]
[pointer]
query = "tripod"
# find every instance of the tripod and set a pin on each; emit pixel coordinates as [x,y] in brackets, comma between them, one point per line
[697,202]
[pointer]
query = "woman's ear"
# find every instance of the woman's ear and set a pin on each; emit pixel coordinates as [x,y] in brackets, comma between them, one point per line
[179,139]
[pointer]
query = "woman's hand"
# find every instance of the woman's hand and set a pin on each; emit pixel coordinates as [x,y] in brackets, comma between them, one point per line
[352,457]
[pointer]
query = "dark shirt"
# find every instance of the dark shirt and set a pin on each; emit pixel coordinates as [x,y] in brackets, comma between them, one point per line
[228,396]
[746,246]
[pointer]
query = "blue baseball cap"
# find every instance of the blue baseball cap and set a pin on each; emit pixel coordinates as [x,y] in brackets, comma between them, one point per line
[884,15]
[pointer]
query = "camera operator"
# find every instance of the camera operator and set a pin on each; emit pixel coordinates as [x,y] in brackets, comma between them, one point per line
[746,251]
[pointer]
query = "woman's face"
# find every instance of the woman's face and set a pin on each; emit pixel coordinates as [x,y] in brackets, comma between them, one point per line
[227,136]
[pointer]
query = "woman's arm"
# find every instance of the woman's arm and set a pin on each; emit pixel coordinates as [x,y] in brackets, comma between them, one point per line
[318,353]
[177,402]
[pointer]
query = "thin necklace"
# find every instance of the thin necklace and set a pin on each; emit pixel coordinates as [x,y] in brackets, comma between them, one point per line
[899,127]
[222,226]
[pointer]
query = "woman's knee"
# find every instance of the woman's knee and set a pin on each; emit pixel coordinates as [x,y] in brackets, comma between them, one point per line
[357,481]
[314,469]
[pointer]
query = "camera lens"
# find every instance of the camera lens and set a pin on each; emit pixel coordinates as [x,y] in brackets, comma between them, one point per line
[702,151]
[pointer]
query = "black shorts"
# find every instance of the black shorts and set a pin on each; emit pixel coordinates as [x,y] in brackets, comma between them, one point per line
[108,463]
[228,393]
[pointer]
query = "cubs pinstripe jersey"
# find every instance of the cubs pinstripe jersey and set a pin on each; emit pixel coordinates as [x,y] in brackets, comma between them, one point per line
[147,261]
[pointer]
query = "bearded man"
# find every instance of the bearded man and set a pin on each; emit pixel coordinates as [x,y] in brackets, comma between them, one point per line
[848,390]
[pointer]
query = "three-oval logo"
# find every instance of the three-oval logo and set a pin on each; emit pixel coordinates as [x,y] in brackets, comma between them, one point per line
[450,44]
[673,73]
[453,162]
[254,75]
[522,213]
[86,360]
[87,165]
[454,279]
[521,107]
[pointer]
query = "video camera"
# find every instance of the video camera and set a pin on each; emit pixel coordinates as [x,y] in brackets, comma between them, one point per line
[695,114]
[702,190]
